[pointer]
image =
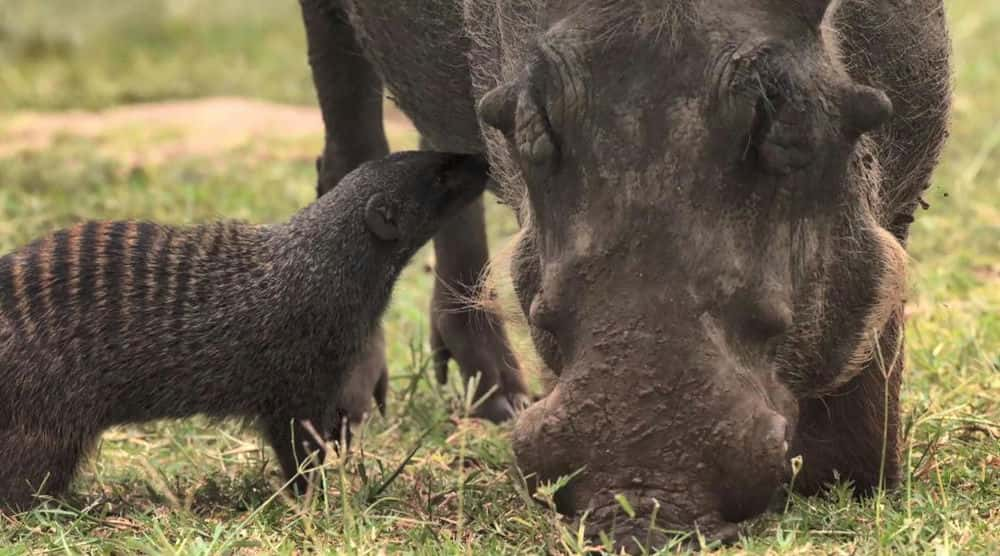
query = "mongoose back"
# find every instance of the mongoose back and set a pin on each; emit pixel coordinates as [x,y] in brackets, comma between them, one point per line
[109,323]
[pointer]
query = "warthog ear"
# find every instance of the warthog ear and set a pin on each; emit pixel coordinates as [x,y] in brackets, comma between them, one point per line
[514,111]
[864,109]
[497,108]
[815,10]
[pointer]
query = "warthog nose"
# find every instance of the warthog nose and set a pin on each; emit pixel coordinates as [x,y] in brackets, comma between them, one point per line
[771,436]
[773,433]
[755,470]
[764,319]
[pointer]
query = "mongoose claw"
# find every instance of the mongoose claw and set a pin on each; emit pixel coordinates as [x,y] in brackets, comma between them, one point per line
[381,392]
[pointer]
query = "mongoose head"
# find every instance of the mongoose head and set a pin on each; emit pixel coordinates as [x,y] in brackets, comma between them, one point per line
[409,195]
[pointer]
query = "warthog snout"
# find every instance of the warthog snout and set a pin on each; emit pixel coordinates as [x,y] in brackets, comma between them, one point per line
[697,450]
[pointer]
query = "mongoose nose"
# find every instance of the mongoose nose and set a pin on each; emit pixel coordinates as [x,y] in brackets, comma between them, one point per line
[465,171]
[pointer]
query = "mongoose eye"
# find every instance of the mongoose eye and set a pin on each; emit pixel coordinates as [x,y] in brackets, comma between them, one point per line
[380,217]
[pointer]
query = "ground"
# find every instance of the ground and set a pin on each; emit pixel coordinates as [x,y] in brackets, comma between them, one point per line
[191,129]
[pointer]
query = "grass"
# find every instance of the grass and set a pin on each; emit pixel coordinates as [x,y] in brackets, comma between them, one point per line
[62,54]
[195,487]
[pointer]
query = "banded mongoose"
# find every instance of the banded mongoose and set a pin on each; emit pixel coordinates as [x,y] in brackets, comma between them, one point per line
[109,323]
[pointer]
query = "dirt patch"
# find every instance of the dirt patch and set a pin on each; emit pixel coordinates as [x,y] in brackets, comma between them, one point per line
[987,273]
[157,132]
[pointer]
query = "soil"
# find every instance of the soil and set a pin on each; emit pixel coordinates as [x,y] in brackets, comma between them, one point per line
[158,132]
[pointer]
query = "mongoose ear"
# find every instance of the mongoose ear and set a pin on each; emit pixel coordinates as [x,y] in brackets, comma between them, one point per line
[381,218]
[381,392]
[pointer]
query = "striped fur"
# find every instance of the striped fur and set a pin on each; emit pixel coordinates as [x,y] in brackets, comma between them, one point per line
[105,279]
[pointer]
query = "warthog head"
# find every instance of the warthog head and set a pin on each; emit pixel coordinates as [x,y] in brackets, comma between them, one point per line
[701,248]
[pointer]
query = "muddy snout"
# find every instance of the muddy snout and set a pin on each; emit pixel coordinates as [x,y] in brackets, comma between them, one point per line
[686,453]
[756,463]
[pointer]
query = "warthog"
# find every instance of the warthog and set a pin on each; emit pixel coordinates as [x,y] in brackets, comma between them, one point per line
[714,198]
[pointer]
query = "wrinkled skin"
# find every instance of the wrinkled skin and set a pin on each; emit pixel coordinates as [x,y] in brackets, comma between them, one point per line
[714,198]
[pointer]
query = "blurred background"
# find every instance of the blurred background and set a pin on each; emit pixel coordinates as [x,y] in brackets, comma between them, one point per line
[190,110]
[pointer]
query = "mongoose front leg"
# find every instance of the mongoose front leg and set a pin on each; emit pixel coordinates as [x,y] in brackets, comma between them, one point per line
[36,462]
[294,445]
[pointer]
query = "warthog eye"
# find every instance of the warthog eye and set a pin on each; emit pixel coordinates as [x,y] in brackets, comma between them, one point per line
[753,94]
[780,135]
[768,102]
